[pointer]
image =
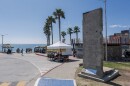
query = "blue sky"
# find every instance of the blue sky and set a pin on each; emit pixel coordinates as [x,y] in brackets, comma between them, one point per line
[23,20]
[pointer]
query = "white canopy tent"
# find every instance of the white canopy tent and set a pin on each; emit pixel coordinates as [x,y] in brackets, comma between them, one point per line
[59,45]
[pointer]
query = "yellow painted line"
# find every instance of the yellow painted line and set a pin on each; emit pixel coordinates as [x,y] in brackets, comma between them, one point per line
[4,84]
[21,83]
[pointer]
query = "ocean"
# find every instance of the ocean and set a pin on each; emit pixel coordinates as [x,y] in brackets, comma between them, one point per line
[23,46]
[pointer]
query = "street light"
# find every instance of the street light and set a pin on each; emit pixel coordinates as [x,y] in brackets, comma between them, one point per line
[105,19]
[2,40]
[105,1]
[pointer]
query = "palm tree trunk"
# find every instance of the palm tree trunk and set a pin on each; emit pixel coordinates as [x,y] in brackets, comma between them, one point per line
[59,30]
[70,38]
[47,40]
[76,37]
[52,32]
[63,39]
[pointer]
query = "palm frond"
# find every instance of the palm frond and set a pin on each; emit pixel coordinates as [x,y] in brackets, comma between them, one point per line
[76,29]
[69,31]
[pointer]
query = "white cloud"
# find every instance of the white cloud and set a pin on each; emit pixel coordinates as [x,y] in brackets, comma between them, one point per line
[119,26]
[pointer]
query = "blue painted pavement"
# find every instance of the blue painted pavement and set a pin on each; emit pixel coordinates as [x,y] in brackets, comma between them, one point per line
[55,82]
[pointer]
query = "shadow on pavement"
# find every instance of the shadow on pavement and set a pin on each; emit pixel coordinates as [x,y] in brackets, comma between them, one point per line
[72,60]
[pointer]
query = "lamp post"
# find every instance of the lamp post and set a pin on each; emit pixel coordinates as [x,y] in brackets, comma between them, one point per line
[105,3]
[2,40]
[105,19]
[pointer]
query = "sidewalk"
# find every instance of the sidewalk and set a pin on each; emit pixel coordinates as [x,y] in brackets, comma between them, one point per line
[66,70]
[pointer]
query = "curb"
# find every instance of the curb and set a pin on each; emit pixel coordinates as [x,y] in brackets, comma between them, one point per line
[51,70]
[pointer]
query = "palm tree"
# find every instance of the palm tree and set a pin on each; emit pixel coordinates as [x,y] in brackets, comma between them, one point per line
[76,30]
[58,15]
[51,20]
[70,31]
[63,34]
[47,32]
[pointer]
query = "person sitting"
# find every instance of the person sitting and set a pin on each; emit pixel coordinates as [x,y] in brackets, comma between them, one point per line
[61,58]
[56,56]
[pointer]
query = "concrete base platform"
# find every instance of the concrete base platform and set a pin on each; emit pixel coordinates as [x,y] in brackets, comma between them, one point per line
[109,74]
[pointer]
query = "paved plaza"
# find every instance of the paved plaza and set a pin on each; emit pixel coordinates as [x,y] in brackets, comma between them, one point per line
[18,70]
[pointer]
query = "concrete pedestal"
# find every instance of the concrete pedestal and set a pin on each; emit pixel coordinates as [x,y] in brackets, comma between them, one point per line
[109,74]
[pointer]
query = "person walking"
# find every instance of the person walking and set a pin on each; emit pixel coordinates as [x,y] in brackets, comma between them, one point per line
[22,52]
[74,53]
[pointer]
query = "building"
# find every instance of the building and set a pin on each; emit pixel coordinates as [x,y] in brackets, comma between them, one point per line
[125,37]
[120,38]
[115,39]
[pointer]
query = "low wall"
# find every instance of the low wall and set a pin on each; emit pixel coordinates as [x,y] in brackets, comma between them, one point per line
[113,51]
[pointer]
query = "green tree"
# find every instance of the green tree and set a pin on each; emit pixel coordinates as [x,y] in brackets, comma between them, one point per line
[58,15]
[70,32]
[47,32]
[50,21]
[76,30]
[63,34]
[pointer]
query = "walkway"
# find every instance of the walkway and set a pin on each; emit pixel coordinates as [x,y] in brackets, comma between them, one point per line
[65,71]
